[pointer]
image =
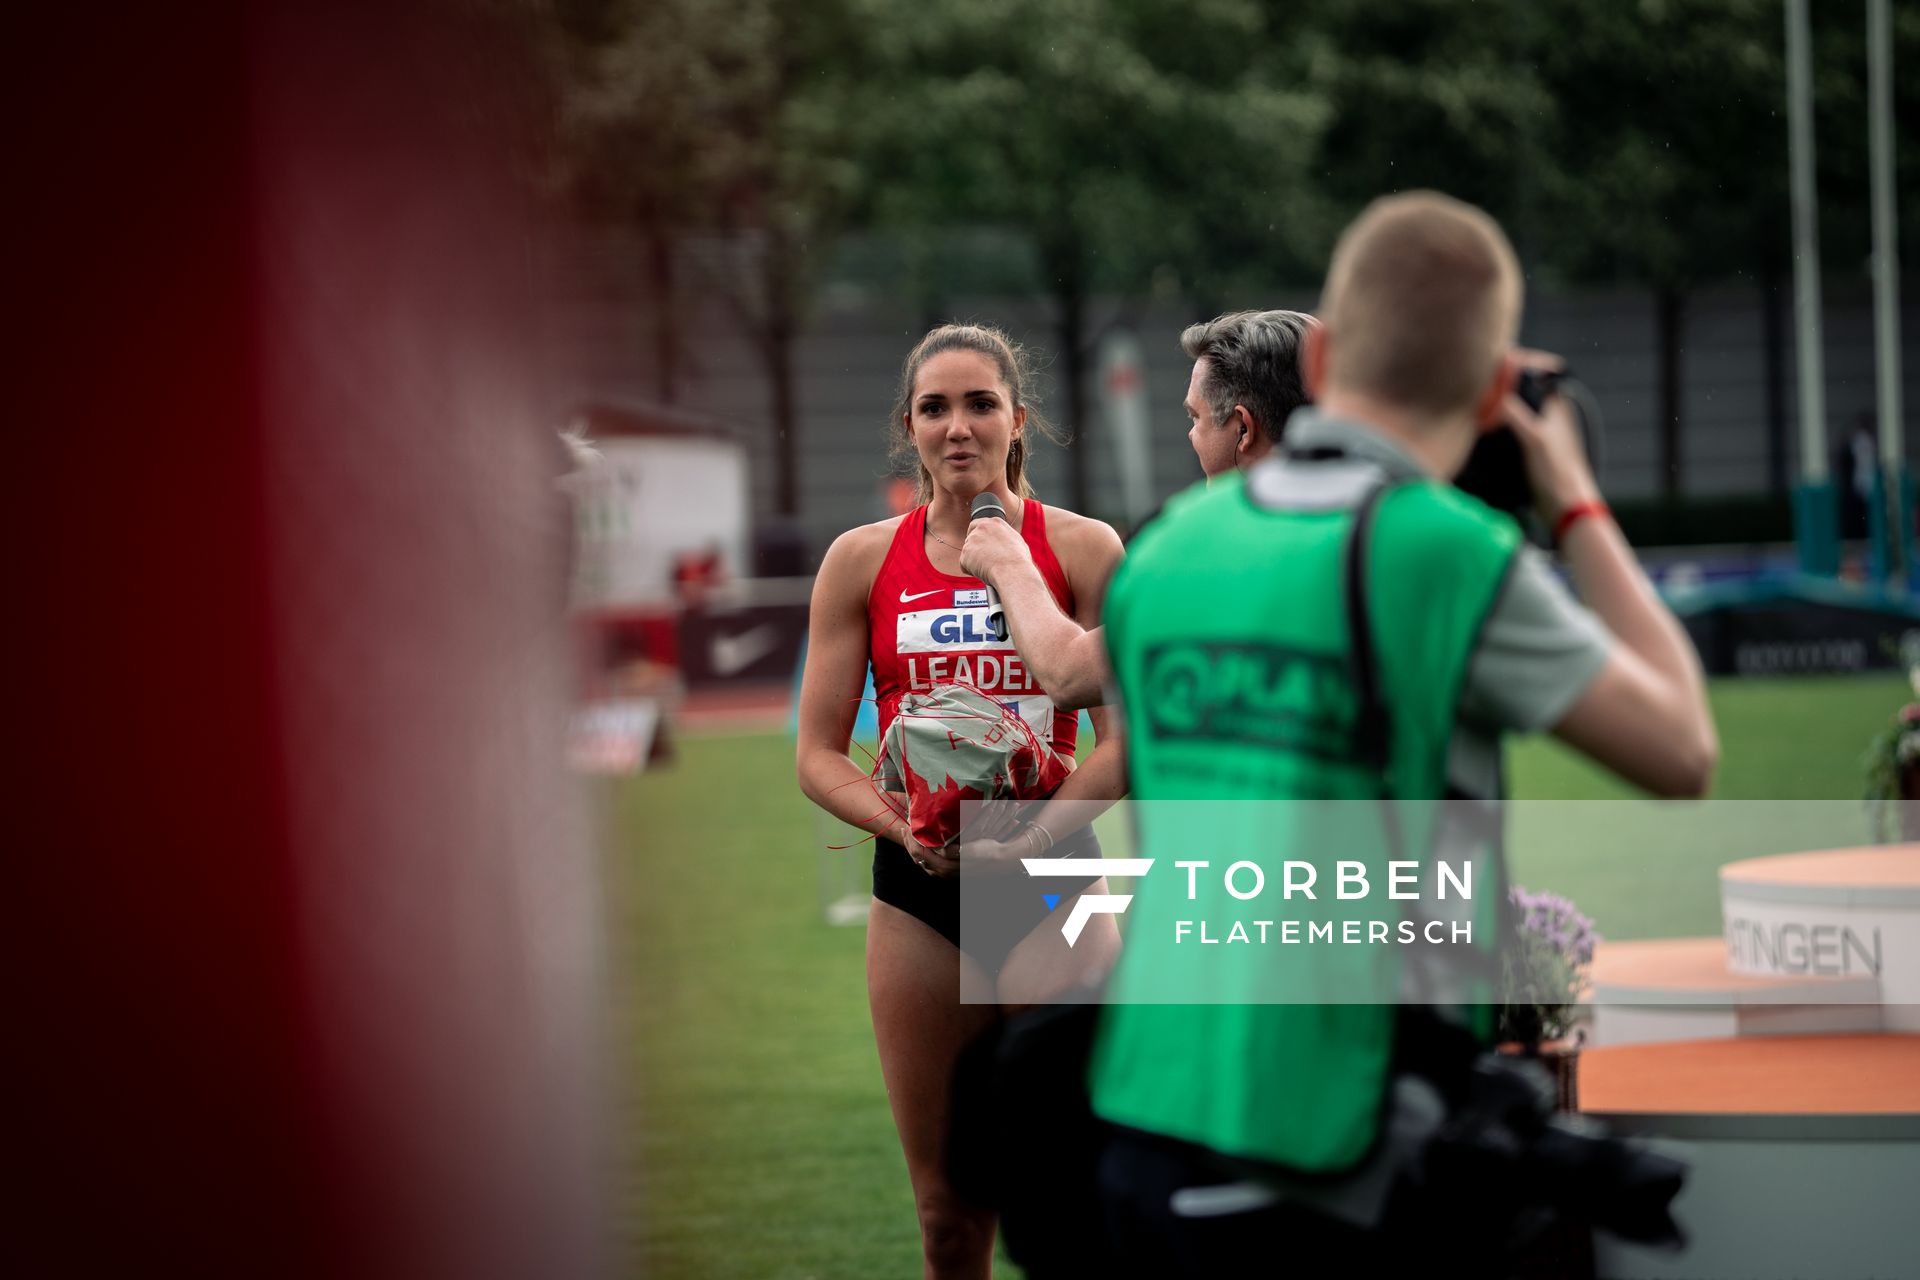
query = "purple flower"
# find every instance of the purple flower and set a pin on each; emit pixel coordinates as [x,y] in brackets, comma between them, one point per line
[1553,920]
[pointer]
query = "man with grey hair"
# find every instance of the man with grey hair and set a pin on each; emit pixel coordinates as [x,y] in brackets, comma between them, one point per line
[1245,384]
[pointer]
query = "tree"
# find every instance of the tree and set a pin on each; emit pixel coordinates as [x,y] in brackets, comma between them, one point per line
[1671,140]
[739,122]
[1435,94]
[636,89]
[1644,142]
[1117,135]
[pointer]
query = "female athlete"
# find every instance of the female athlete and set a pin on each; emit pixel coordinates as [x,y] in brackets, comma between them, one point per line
[893,594]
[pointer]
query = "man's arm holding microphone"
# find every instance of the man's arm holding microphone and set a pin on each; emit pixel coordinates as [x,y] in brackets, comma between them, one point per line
[1068,661]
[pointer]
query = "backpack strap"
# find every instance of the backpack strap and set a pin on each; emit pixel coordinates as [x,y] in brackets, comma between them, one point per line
[1373,731]
[1372,727]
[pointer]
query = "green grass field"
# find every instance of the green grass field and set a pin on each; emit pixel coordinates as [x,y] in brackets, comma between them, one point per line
[757,1127]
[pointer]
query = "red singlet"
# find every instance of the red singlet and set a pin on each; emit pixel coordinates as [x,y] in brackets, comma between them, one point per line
[929,627]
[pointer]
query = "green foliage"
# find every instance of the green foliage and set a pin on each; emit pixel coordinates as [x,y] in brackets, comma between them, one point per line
[1224,141]
[1893,752]
[713,114]
[1432,94]
[1635,141]
[1119,135]
[1669,138]
[1840,132]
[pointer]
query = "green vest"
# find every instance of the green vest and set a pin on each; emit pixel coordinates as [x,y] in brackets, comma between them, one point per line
[1228,632]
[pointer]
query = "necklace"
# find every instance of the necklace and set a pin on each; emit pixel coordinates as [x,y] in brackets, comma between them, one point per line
[936,537]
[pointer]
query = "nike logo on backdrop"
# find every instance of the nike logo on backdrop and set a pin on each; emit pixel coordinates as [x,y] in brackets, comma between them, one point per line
[909,599]
[734,654]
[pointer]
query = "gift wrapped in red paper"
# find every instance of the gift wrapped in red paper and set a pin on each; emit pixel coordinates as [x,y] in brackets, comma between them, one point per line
[950,743]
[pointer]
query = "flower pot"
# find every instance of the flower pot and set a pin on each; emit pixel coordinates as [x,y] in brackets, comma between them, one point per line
[1562,1059]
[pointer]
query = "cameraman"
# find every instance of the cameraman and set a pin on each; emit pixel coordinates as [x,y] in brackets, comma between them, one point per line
[1472,637]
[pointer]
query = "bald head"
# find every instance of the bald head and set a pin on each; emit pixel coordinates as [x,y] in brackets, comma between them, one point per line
[1422,301]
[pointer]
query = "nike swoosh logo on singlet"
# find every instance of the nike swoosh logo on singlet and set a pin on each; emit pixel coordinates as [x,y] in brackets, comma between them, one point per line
[909,599]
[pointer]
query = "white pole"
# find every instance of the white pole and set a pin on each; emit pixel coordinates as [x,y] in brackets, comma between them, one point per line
[1806,250]
[1123,401]
[1886,269]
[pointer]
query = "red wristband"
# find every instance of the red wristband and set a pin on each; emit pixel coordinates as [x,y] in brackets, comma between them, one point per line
[1576,513]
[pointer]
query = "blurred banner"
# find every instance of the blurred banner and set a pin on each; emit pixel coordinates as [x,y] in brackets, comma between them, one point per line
[1798,627]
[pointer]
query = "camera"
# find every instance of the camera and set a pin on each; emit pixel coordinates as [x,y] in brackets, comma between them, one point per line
[1496,471]
[1506,1157]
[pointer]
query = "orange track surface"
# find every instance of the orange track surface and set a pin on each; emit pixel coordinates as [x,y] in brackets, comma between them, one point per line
[1756,1075]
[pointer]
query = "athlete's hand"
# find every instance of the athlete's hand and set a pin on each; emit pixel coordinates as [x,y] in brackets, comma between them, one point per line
[941,862]
[1001,855]
[991,547]
[935,861]
[984,820]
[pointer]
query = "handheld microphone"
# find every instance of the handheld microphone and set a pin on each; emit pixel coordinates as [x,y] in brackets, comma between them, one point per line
[987,507]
